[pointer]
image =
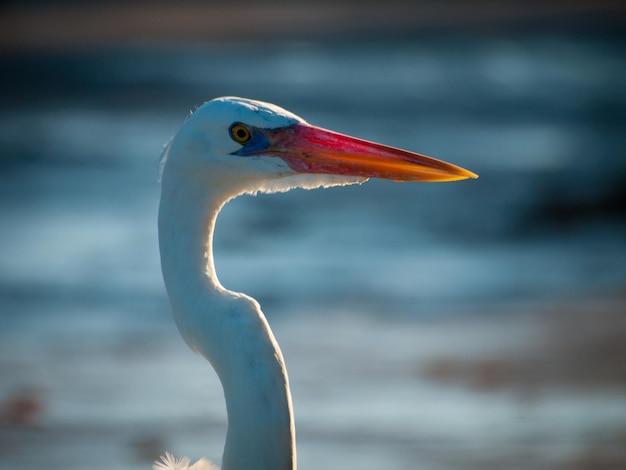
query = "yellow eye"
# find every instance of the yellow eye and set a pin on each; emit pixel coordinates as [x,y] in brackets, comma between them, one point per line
[240,133]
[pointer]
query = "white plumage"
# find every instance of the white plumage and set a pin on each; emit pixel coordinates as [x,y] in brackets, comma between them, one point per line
[232,146]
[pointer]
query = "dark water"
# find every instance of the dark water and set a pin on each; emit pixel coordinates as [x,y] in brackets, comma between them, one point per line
[541,119]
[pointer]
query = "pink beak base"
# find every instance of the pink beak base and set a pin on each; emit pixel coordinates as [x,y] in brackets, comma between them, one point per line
[311,149]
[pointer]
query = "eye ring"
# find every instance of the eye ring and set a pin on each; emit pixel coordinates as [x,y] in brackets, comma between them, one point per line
[240,133]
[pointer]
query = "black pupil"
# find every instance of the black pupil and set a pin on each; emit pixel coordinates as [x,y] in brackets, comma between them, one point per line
[241,133]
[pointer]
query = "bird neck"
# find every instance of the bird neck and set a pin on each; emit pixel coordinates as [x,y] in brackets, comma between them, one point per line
[227,328]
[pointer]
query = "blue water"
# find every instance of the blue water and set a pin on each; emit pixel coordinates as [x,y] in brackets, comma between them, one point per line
[540,120]
[83,312]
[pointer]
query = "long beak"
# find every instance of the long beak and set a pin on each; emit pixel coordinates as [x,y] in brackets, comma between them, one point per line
[310,149]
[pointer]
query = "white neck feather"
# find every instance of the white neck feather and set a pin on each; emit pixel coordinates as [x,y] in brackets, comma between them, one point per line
[227,328]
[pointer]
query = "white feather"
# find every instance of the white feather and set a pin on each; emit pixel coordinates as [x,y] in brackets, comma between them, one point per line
[168,462]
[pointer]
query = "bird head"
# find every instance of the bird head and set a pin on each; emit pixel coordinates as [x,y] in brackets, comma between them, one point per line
[253,146]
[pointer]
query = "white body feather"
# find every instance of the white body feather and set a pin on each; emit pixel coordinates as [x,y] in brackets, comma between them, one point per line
[199,176]
[233,146]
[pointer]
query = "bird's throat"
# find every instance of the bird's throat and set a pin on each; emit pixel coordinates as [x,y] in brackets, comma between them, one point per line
[227,328]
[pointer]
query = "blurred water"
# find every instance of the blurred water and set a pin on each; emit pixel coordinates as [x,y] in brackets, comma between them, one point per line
[540,119]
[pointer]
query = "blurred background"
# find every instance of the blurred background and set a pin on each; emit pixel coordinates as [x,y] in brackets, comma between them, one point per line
[470,325]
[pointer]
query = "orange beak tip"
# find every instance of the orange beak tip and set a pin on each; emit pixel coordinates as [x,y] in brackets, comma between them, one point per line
[312,149]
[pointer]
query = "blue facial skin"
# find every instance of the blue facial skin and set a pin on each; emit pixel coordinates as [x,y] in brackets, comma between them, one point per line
[257,143]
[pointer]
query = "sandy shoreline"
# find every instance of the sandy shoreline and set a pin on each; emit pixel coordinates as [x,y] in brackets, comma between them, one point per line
[75,25]
[536,390]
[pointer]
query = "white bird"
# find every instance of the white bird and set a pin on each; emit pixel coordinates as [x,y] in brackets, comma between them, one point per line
[228,147]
